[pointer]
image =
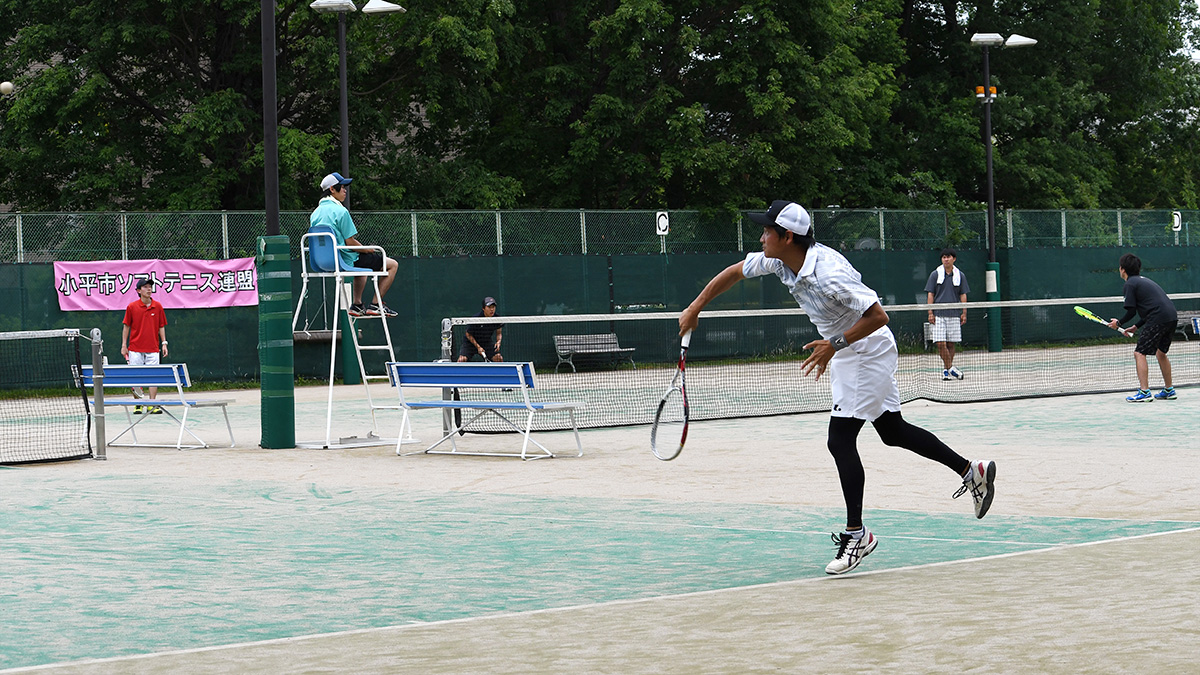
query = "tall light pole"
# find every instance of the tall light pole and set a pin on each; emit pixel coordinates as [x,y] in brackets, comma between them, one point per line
[986,94]
[343,7]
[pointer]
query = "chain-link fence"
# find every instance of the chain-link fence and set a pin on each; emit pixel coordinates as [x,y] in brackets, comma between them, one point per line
[46,237]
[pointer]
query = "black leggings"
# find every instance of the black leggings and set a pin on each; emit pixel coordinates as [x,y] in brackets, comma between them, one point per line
[892,430]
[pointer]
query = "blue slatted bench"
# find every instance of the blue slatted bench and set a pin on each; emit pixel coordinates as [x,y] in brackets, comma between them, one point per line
[495,376]
[165,376]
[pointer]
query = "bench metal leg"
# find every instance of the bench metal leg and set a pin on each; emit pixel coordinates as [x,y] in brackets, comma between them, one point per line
[575,428]
[526,440]
[567,361]
[181,421]
[228,426]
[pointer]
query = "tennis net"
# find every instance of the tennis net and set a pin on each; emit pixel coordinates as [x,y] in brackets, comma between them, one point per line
[43,405]
[746,363]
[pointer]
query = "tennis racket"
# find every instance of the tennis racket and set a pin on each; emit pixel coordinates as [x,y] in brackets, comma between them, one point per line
[1091,316]
[671,419]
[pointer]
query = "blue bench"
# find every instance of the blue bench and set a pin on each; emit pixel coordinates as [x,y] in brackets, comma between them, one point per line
[165,376]
[517,377]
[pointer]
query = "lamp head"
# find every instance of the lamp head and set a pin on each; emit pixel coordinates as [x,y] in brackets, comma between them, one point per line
[987,40]
[1015,40]
[333,6]
[381,7]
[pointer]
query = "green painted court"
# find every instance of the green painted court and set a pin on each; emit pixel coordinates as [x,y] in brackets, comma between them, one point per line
[248,560]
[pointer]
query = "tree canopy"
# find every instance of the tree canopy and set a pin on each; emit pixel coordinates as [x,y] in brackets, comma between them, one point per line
[603,104]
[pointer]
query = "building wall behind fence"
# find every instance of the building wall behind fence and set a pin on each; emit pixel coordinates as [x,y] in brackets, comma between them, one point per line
[220,344]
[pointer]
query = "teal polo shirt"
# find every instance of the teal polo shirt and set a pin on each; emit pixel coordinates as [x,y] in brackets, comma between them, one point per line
[330,212]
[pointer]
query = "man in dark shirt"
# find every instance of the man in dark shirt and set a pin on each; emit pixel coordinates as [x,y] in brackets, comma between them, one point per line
[1158,321]
[483,339]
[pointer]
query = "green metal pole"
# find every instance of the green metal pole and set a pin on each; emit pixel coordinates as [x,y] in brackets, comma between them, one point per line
[275,351]
[995,335]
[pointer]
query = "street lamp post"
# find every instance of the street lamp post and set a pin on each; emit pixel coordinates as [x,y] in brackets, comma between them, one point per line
[986,94]
[343,7]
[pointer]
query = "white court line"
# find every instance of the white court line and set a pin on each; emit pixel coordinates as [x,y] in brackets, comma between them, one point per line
[699,526]
[556,610]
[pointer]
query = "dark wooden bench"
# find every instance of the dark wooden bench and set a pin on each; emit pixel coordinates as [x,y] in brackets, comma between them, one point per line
[1188,320]
[513,376]
[604,344]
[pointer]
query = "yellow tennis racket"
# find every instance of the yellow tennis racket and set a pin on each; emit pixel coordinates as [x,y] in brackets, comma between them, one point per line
[1092,316]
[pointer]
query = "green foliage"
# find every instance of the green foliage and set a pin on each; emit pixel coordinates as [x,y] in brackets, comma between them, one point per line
[621,104]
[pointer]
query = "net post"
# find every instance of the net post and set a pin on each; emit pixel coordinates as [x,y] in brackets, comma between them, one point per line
[98,394]
[448,357]
[995,334]
[275,347]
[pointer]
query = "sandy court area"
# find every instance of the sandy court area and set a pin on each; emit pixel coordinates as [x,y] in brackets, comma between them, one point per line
[1115,606]
[1082,456]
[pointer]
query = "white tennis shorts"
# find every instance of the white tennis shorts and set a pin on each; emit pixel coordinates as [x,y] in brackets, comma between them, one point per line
[862,377]
[143,358]
[946,329]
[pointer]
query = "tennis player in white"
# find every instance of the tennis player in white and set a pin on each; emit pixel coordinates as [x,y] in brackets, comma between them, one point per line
[859,351]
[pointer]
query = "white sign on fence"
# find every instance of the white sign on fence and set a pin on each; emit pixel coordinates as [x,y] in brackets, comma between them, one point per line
[662,223]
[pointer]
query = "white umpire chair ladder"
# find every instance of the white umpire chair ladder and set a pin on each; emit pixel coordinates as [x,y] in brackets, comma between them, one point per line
[320,260]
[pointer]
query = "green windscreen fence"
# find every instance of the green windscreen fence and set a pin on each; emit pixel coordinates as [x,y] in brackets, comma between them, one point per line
[220,344]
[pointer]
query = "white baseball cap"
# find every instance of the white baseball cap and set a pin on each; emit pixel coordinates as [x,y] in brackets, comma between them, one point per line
[334,179]
[788,215]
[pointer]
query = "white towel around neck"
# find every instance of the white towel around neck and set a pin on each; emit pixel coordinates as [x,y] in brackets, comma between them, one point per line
[955,280]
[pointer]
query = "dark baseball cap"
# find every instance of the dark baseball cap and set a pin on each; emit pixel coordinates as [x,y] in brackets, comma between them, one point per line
[144,282]
[489,300]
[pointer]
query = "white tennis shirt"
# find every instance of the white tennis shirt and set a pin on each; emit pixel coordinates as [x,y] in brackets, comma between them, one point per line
[862,377]
[828,288]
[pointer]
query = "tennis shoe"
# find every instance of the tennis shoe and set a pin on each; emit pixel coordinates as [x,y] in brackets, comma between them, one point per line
[956,373]
[1143,396]
[371,309]
[137,410]
[945,375]
[979,483]
[356,310]
[850,551]
[387,311]
[1167,394]
[154,409]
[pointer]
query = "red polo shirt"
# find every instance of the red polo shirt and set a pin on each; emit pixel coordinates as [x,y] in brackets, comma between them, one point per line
[144,322]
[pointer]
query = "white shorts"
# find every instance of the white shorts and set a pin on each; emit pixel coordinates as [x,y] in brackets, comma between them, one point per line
[143,358]
[862,377]
[946,329]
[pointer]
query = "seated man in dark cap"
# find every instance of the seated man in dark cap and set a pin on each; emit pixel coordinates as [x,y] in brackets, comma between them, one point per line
[483,338]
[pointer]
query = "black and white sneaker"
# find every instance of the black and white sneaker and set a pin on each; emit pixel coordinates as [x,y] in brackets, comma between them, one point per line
[387,311]
[371,309]
[850,551]
[979,483]
[356,310]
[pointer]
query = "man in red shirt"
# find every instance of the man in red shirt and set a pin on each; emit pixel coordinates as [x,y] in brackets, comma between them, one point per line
[144,335]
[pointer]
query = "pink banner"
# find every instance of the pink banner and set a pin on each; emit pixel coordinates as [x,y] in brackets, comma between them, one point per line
[178,284]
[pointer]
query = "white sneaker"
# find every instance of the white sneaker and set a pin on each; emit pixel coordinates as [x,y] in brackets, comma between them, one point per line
[979,483]
[956,373]
[850,551]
